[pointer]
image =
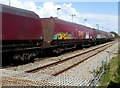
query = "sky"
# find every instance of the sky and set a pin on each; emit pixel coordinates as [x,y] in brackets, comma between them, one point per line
[105,14]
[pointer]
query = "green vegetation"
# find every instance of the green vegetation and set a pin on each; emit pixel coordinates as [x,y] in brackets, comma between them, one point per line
[116,35]
[112,73]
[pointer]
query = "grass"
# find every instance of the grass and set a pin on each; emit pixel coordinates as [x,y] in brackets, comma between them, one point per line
[112,73]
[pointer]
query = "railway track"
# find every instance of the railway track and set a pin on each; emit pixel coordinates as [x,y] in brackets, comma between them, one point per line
[65,64]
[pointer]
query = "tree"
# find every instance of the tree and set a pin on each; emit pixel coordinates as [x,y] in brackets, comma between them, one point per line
[116,35]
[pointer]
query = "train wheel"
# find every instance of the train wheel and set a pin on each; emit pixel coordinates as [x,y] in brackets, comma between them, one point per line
[58,50]
[23,57]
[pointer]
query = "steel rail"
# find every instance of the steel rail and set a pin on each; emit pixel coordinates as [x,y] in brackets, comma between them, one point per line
[61,71]
[61,61]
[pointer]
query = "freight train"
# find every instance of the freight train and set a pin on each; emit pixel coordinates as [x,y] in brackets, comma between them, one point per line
[25,35]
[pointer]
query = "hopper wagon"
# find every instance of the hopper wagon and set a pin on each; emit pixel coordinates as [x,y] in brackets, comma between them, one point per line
[25,35]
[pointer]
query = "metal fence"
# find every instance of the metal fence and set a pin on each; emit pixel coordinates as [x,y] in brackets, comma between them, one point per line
[98,72]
